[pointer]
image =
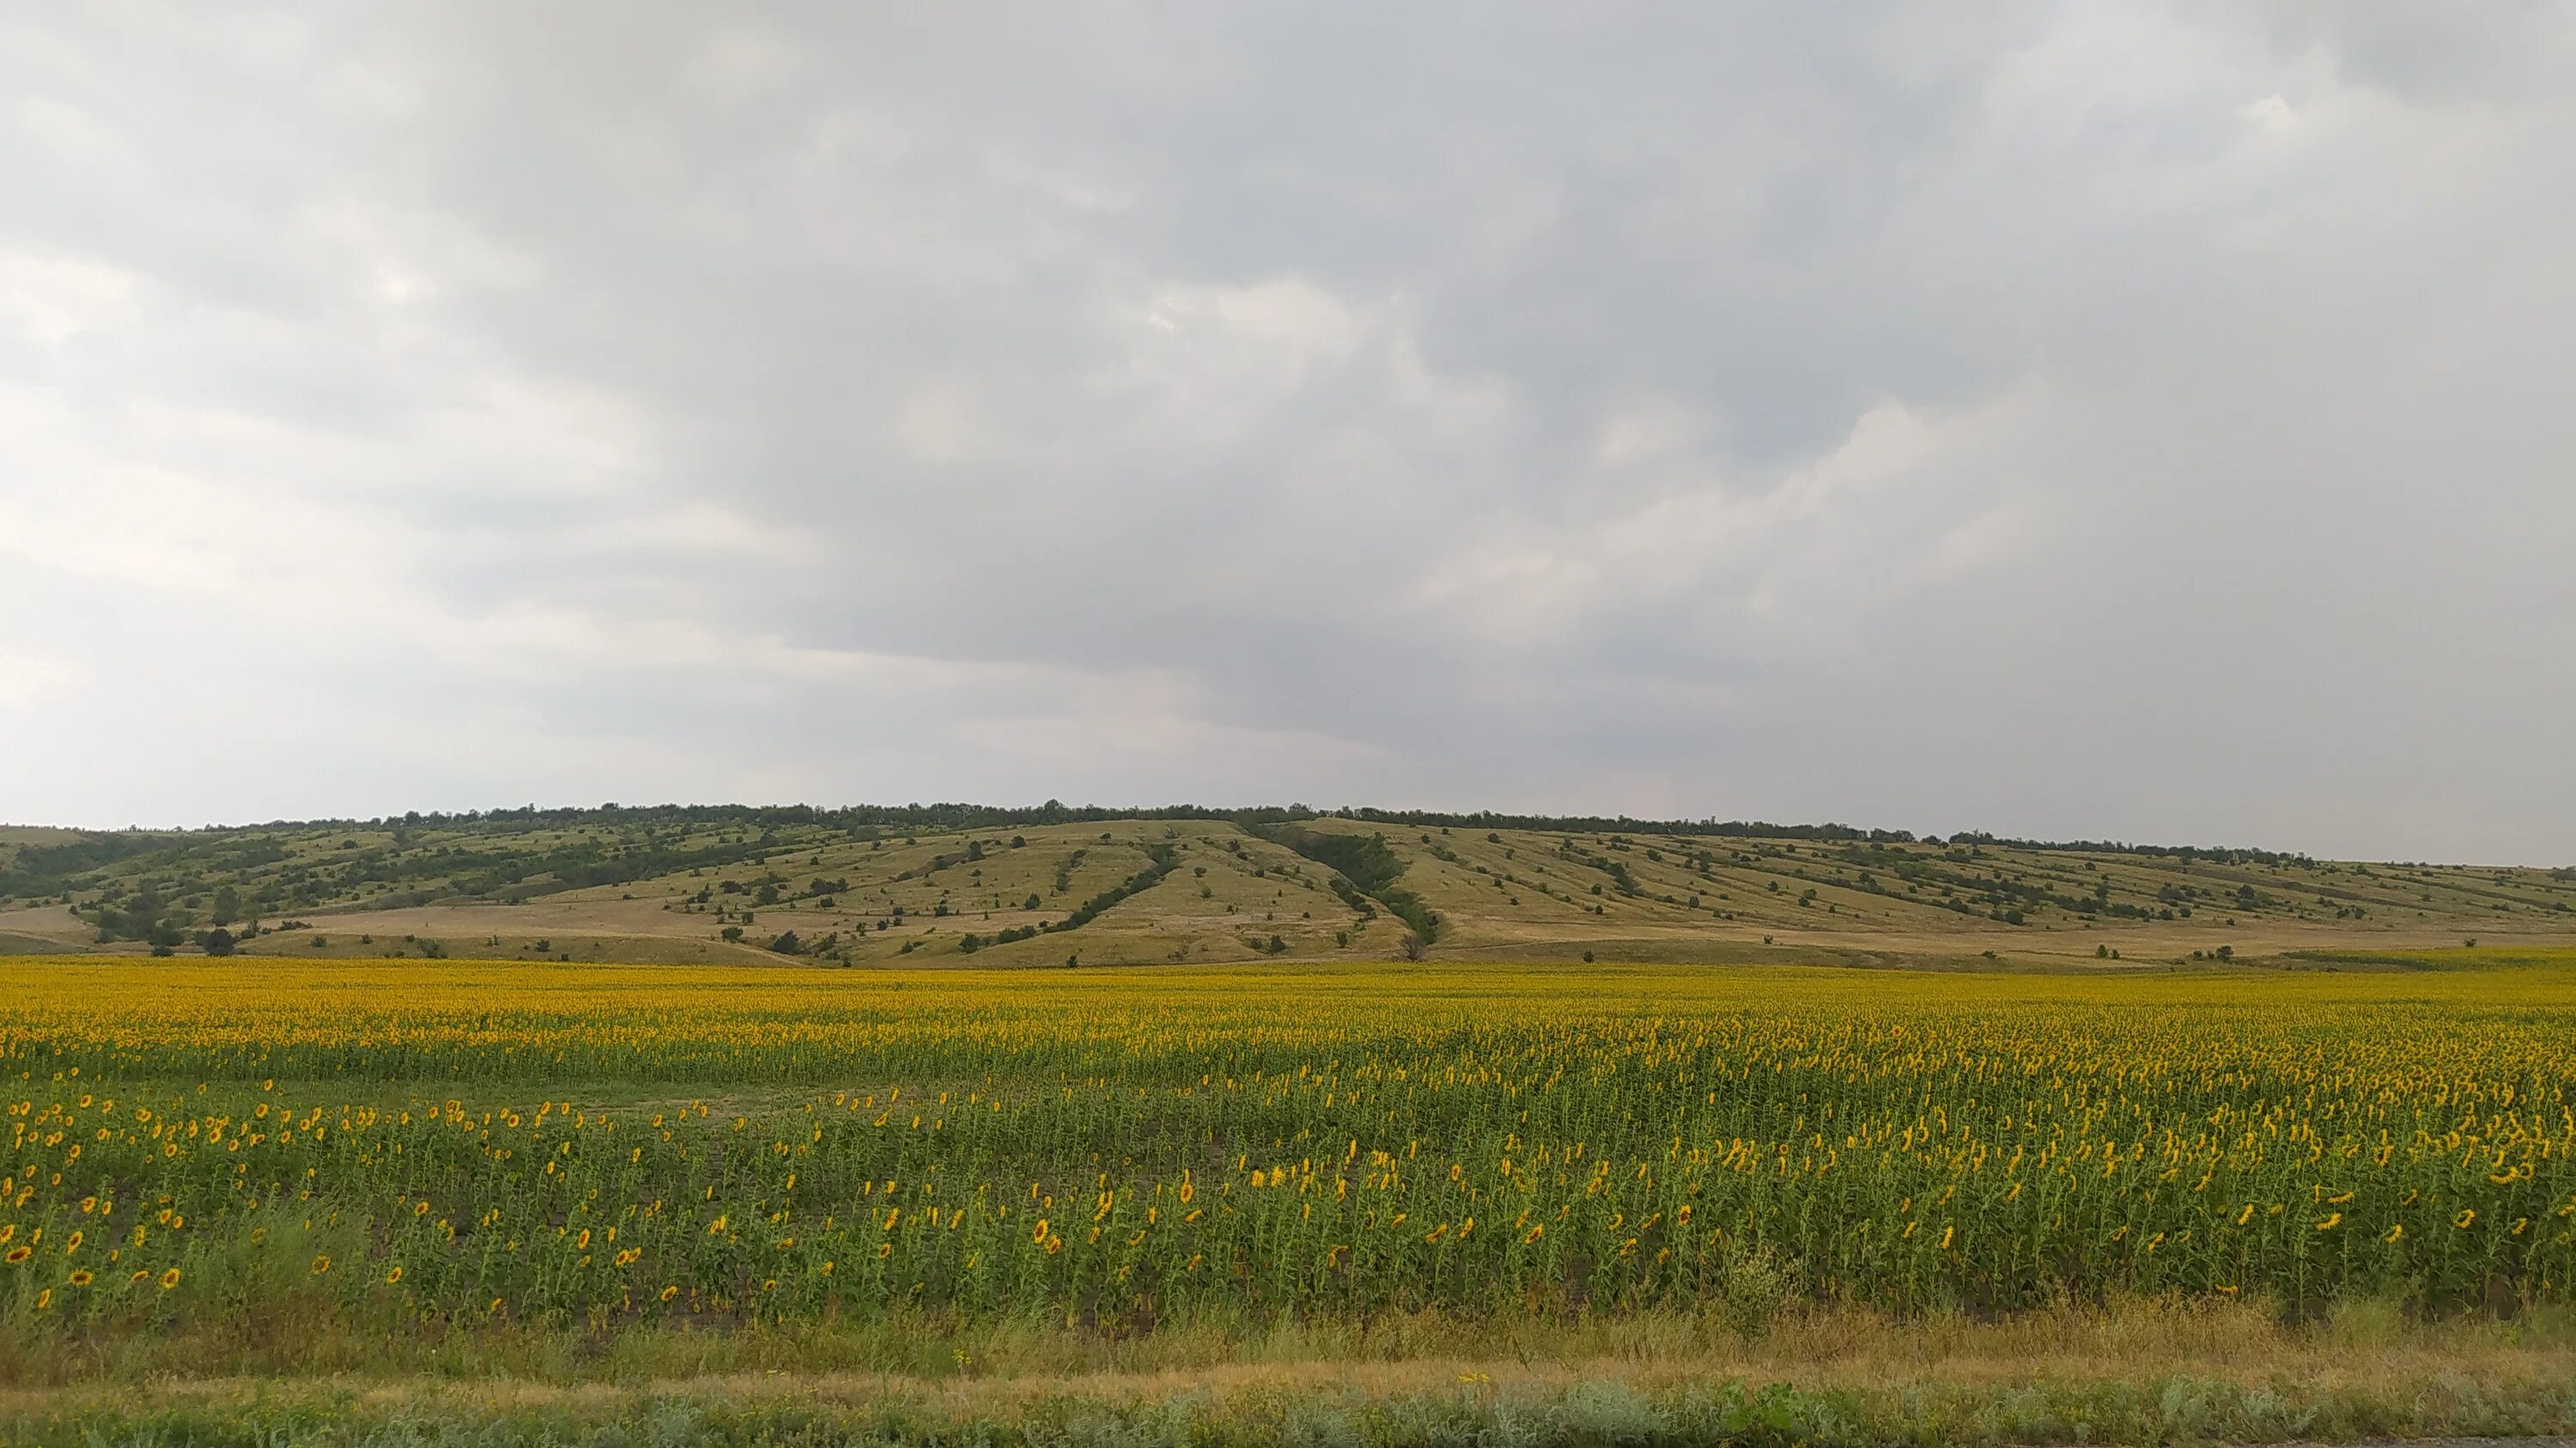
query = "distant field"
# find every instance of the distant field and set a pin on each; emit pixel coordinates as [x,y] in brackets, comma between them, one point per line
[566,1174]
[956,887]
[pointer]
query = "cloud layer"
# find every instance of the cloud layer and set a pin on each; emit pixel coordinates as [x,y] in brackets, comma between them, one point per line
[2113,420]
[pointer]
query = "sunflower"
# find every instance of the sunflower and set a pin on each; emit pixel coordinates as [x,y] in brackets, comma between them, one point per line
[82,1278]
[394,1276]
[169,1279]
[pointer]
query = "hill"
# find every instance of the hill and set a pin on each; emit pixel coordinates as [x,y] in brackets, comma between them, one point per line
[954,884]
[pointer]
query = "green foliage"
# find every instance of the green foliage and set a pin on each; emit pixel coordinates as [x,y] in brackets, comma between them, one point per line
[1367,868]
[1164,862]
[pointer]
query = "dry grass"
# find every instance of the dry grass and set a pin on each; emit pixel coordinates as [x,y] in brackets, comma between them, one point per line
[2243,1341]
[1503,894]
[2131,1371]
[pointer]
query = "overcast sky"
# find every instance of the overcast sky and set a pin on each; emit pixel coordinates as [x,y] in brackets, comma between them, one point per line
[2147,422]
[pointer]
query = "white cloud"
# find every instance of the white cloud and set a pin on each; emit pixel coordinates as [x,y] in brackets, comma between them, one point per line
[739,64]
[30,680]
[52,299]
[1803,552]
[2270,113]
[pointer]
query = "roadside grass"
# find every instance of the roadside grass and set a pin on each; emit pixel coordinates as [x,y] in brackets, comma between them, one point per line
[2136,1371]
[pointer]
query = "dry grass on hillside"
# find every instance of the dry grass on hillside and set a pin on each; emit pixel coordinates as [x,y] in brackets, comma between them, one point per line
[707,892]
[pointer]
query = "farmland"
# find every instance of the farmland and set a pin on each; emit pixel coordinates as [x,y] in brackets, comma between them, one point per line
[1468,1196]
[457,1144]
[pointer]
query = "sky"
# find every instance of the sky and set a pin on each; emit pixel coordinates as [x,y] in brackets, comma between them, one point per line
[2128,421]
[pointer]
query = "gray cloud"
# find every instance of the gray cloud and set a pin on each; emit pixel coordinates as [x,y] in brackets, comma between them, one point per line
[2125,420]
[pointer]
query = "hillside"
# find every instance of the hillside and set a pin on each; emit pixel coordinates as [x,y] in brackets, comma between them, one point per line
[961,885]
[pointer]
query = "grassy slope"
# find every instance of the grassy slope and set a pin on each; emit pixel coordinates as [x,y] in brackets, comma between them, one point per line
[497,888]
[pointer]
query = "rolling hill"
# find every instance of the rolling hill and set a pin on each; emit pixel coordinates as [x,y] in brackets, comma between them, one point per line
[953,884]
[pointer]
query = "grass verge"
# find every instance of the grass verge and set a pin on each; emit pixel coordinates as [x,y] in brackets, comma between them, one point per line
[2132,1372]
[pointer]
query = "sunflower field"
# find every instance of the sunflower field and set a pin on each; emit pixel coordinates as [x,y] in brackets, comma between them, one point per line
[1116,1150]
